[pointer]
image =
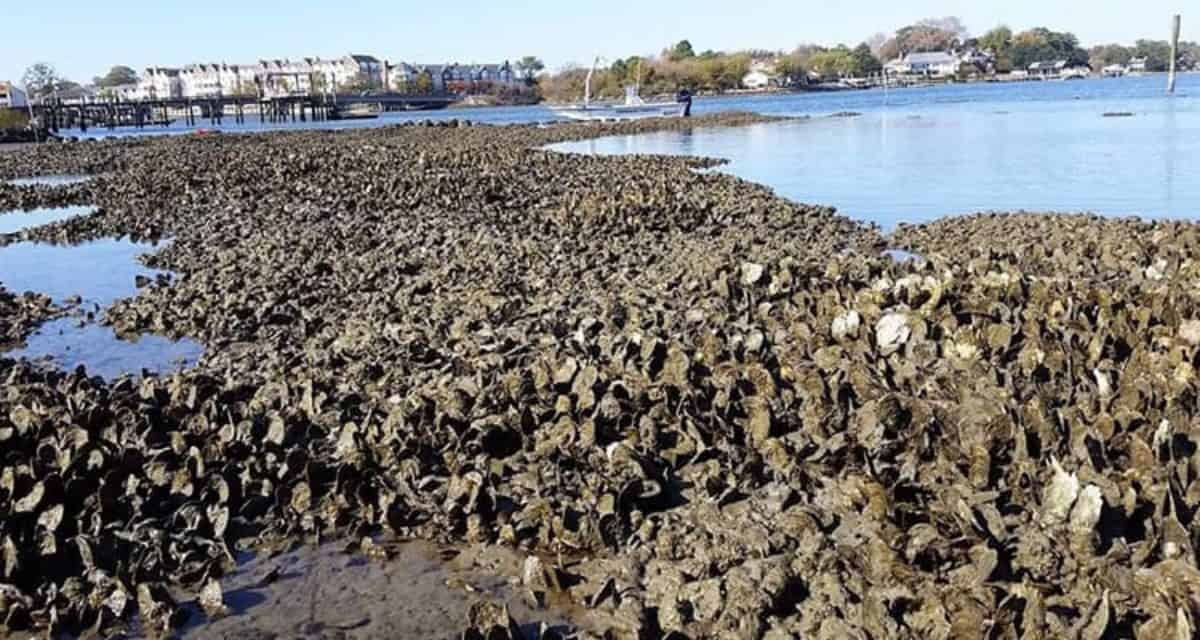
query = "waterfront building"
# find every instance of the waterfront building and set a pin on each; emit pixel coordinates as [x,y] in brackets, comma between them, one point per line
[983,60]
[76,95]
[160,83]
[933,63]
[282,77]
[406,78]
[494,74]
[122,92]
[355,70]
[762,75]
[438,74]
[12,97]
[940,64]
[1137,65]
[1047,69]
[205,80]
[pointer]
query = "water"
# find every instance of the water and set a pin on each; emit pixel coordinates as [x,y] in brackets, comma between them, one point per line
[99,271]
[17,221]
[902,256]
[96,274]
[68,343]
[929,153]
[49,180]
[983,95]
[481,115]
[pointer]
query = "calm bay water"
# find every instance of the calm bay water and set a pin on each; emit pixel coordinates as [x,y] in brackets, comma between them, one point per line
[97,273]
[918,155]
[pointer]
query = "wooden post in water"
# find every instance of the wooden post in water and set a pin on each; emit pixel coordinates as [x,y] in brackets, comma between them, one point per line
[1175,24]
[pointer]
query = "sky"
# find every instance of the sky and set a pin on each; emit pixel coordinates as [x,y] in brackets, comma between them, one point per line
[83,38]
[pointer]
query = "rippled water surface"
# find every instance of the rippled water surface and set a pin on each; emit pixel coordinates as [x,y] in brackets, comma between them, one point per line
[97,273]
[918,161]
[16,221]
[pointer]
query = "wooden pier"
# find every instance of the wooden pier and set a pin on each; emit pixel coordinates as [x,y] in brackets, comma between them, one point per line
[55,115]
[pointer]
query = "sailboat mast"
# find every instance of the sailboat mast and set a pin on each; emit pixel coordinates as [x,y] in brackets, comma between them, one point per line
[587,84]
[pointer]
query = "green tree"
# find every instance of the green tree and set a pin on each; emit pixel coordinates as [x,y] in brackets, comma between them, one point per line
[1102,56]
[681,51]
[833,63]
[423,84]
[41,80]
[1189,56]
[998,42]
[864,62]
[530,66]
[117,76]
[793,67]
[1156,52]
[1044,45]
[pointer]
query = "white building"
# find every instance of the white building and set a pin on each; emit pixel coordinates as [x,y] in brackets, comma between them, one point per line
[202,80]
[402,77]
[1047,69]
[933,63]
[283,77]
[11,96]
[121,92]
[160,83]
[352,70]
[761,75]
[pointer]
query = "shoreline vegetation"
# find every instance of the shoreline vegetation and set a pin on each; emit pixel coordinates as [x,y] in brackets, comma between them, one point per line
[990,56]
[998,54]
[689,407]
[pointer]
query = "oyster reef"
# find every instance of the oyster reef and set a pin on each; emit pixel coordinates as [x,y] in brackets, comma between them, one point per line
[691,408]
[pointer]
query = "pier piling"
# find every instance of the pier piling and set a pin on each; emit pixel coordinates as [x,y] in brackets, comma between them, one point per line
[1175,25]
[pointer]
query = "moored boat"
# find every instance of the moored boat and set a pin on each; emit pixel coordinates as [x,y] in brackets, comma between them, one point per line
[633,108]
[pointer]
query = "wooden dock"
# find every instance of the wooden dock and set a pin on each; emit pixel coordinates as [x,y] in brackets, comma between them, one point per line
[55,115]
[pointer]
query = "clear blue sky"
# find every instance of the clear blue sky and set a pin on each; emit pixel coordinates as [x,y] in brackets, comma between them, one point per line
[83,38]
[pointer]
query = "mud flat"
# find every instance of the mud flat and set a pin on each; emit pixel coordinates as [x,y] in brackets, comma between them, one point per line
[675,404]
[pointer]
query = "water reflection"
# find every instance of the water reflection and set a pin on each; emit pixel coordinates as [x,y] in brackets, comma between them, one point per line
[17,221]
[91,275]
[99,272]
[69,342]
[890,167]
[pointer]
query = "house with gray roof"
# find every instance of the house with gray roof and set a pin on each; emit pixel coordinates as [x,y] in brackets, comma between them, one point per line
[931,63]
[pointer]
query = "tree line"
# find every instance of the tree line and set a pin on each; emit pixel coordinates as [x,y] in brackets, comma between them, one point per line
[680,66]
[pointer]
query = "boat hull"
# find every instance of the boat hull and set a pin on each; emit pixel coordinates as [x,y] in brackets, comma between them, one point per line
[621,112]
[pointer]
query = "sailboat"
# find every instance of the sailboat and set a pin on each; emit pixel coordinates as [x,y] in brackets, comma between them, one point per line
[631,109]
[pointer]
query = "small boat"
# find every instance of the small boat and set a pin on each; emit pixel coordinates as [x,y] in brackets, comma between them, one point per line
[632,109]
